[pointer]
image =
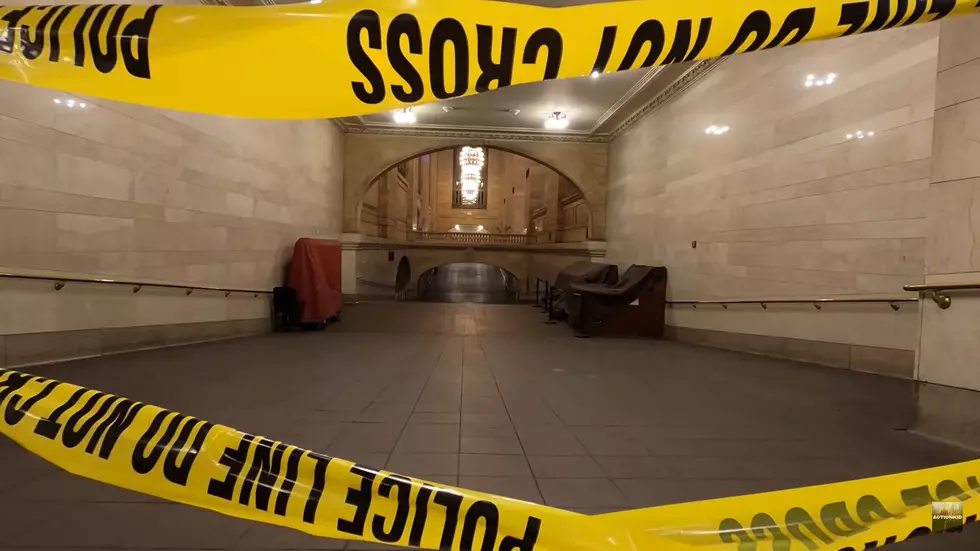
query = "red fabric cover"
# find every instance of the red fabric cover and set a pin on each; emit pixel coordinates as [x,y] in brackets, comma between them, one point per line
[315,274]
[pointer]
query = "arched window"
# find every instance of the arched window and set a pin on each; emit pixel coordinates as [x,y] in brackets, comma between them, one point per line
[470,177]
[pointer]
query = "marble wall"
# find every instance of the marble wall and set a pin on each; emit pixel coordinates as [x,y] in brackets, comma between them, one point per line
[784,204]
[949,341]
[93,188]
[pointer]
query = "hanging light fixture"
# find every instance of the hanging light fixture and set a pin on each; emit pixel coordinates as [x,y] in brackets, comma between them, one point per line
[556,121]
[403,116]
[471,160]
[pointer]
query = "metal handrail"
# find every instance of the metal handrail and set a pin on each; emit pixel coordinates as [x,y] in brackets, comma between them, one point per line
[60,282]
[935,291]
[816,302]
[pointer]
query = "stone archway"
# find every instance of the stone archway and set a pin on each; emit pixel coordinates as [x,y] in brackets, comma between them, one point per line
[367,156]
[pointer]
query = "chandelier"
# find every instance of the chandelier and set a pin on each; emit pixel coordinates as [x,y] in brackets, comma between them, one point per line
[471,161]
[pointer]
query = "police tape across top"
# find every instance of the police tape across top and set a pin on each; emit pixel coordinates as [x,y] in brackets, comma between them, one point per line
[350,57]
[187,460]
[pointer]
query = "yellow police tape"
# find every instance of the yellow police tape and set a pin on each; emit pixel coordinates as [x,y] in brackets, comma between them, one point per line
[347,57]
[176,457]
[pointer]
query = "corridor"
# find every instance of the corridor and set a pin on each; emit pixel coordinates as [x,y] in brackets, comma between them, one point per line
[468,282]
[488,398]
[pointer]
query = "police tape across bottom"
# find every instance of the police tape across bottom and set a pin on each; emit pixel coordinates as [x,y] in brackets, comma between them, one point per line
[187,460]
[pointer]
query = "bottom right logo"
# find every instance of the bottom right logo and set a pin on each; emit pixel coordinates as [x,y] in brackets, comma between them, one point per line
[947,516]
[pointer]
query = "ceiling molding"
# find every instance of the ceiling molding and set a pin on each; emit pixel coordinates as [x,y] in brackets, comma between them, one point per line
[638,87]
[490,134]
[692,75]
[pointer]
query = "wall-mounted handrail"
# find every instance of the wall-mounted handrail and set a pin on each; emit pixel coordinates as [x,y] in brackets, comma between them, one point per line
[60,282]
[936,291]
[816,302]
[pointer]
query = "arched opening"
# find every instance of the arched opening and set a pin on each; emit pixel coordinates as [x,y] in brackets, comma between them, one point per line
[468,282]
[518,195]
[403,276]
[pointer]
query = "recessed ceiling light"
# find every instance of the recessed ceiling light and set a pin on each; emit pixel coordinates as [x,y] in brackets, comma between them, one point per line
[595,74]
[859,135]
[403,116]
[716,130]
[556,121]
[814,80]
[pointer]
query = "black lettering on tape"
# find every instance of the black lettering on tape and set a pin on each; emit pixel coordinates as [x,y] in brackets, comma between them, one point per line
[799,22]
[837,520]
[49,427]
[948,489]
[972,482]
[900,9]
[757,24]
[649,34]
[731,531]
[408,26]
[605,49]
[451,31]
[501,71]
[918,10]
[481,510]
[12,18]
[79,35]
[855,14]
[917,497]
[403,489]
[360,498]
[262,474]
[762,523]
[111,428]
[544,38]
[12,383]
[880,18]
[798,519]
[421,512]
[365,20]
[174,469]
[681,49]
[14,414]
[138,31]
[234,459]
[918,532]
[105,60]
[870,509]
[143,462]
[286,489]
[319,482]
[54,36]
[31,49]
[75,430]
[941,8]
[452,502]
[511,543]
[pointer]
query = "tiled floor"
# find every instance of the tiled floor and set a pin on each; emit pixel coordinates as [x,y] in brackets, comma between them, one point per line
[489,398]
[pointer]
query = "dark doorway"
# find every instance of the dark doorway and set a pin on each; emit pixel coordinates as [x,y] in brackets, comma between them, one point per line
[468,282]
[402,277]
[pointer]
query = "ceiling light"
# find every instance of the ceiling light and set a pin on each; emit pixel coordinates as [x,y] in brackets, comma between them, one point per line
[860,135]
[814,80]
[448,108]
[403,116]
[556,121]
[58,101]
[716,130]
[514,112]
[595,74]
[315,1]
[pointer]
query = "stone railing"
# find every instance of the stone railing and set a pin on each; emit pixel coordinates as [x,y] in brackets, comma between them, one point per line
[470,238]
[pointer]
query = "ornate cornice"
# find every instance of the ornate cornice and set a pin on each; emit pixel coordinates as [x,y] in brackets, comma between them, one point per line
[538,249]
[691,76]
[477,135]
